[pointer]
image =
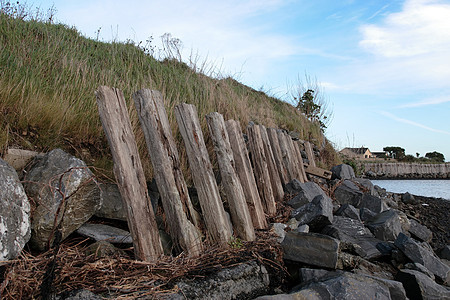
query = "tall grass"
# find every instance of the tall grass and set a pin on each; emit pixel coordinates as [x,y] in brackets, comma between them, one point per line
[49,73]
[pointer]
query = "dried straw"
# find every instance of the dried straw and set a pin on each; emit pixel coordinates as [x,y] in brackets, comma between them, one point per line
[125,278]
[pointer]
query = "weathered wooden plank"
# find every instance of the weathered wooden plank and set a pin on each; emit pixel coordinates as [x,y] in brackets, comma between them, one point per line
[275,144]
[299,157]
[129,173]
[317,171]
[277,186]
[240,214]
[216,221]
[245,172]
[260,169]
[309,153]
[166,165]
[289,158]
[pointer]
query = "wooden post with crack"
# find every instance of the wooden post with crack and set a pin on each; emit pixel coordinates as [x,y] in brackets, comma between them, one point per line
[240,214]
[129,173]
[244,170]
[216,221]
[166,165]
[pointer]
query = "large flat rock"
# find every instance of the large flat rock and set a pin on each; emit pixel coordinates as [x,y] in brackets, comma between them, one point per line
[419,254]
[420,286]
[311,248]
[351,231]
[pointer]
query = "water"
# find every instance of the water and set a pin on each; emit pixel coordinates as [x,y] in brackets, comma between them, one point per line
[428,188]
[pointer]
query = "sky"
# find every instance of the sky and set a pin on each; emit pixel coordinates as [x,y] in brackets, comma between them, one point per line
[383,66]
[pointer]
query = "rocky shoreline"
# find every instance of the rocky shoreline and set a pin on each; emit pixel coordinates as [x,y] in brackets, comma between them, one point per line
[331,239]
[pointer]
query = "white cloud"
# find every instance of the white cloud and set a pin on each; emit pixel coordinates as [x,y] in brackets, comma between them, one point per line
[219,31]
[427,102]
[422,27]
[409,122]
[404,52]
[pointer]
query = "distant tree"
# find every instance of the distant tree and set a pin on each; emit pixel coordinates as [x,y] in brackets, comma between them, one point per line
[417,154]
[395,152]
[310,99]
[408,158]
[435,156]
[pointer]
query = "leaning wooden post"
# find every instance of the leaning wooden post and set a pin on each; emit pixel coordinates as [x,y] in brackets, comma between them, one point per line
[262,176]
[275,144]
[129,173]
[288,158]
[240,215]
[166,165]
[277,186]
[245,172]
[216,221]
[309,153]
[299,157]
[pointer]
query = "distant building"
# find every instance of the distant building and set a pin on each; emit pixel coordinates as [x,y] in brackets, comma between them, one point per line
[357,153]
[381,154]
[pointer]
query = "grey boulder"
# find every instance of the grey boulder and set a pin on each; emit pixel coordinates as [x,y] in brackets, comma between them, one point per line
[386,226]
[66,192]
[112,205]
[14,214]
[419,254]
[420,286]
[311,248]
[101,232]
[245,281]
[354,236]
[373,203]
[348,211]
[348,193]
[316,214]
[306,193]
[420,231]
[347,286]
[343,171]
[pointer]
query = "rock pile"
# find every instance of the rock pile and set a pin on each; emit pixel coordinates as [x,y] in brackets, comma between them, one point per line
[366,249]
[355,241]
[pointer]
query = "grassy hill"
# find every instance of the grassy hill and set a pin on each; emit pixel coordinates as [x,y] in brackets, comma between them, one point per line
[49,73]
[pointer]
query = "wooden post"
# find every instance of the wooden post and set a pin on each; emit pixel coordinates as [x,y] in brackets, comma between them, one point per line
[166,165]
[262,176]
[245,172]
[309,153]
[240,214]
[216,221]
[288,156]
[275,144]
[129,173]
[277,186]
[298,154]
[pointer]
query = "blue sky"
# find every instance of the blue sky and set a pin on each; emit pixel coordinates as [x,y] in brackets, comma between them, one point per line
[384,66]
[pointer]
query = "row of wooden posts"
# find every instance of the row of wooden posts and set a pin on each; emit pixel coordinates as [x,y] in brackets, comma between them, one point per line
[252,188]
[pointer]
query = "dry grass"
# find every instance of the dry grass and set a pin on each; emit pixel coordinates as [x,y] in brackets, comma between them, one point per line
[125,278]
[50,72]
